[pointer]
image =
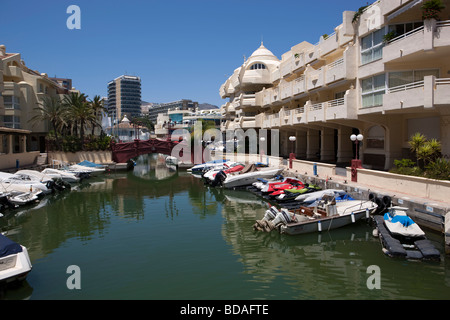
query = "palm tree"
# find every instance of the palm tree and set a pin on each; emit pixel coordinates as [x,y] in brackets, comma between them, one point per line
[416,142]
[80,111]
[97,107]
[50,109]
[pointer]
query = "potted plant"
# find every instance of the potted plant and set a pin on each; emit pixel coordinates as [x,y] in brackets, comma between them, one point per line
[431,9]
[389,36]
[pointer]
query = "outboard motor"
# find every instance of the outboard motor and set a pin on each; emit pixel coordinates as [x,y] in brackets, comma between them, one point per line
[270,214]
[219,178]
[283,216]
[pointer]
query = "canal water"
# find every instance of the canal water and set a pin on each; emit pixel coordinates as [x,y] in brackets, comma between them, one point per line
[159,233]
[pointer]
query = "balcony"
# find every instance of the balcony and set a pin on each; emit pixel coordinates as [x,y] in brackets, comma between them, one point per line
[285,89]
[247,122]
[342,108]
[11,88]
[275,120]
[432,35]
[286,117]
[247,100]
[429,93]
[299,85]
[13,72]
[315,78]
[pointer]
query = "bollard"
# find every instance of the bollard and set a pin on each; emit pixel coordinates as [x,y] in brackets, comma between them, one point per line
[17,163]
[315,169]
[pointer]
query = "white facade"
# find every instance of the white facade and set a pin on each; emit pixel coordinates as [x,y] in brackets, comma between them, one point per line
[355,80]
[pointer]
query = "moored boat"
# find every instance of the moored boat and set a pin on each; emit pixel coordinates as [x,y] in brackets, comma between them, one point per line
[15,263]
[329,215]
[247,177]
[401,237]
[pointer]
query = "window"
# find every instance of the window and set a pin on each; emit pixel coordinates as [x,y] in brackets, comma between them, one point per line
[11,102]
[373,89]
[11,122]
[400,78]
[372,46]
[403,28]
[257,66]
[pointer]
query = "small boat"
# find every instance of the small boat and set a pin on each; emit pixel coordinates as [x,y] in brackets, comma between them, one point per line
[197,169]
[249,175]
[93,171]
[317,195]
[33,175]
[329,215]
[20,198]
[210,175]
[401,237]
[286,183]
[15,263]
[291,194]
[61,174]
[10,182]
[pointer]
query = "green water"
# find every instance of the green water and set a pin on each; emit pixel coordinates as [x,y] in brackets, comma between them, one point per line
[156,233]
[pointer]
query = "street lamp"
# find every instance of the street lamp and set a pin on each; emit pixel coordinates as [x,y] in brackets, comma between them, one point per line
[292,154]
[356,163]
[356,138]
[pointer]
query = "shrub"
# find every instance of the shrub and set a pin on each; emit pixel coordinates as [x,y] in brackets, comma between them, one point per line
[438,169]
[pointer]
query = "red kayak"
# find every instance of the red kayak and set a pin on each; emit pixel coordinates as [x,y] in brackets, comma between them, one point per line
[285,184]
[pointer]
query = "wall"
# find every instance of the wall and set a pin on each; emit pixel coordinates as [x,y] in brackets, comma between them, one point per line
[99,157]
[8,161]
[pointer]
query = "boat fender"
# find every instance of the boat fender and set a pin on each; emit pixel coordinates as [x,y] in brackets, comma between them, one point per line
[353,217]
[372,196]
[319,226]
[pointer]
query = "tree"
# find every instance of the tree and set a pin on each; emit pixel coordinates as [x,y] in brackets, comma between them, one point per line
[80,111]
[426,150]
[50,109]
[97,107]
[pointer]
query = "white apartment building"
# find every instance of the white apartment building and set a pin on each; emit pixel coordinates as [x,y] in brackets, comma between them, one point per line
[384,72]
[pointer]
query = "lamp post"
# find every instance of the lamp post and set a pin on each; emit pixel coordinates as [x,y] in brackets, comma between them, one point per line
[356,163]
[292,154]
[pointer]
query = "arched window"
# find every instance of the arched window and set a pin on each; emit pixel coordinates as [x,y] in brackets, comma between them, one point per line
[257,66]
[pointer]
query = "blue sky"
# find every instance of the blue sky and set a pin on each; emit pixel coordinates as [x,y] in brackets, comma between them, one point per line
[181,49]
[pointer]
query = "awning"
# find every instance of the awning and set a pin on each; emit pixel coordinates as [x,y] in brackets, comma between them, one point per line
[404,9]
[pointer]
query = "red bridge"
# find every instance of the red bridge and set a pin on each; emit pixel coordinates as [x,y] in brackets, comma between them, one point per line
[124,151]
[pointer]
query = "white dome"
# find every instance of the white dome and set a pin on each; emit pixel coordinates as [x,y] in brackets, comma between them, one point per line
[262,53]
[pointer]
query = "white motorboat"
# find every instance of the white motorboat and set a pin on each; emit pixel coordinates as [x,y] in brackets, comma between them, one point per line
[15,263]
[93,171]
[227,167]
[61,174]
[10,182]
[20,198]
[330,215]
[249,176]
[199,168]
[33,175]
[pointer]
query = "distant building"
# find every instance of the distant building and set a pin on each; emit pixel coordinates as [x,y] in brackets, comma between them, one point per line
[124,97]
[183,104]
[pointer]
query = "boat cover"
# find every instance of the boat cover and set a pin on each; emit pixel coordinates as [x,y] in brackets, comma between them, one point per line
[8,247]
[398,222]
[89,164]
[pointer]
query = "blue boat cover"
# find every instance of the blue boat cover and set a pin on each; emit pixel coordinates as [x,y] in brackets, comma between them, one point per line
[89,164]
[7,246]
[404,220]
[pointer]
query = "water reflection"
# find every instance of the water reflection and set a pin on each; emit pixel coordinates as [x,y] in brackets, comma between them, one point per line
[170,222]
[330,265]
